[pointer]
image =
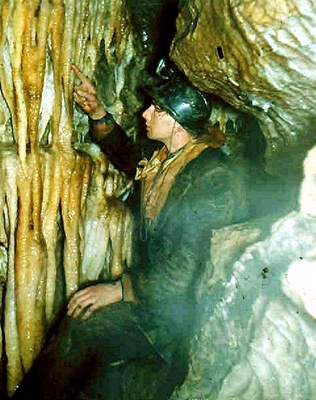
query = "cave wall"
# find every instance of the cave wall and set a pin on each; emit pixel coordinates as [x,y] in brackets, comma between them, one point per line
[259,56]
[255,336]
[61,224]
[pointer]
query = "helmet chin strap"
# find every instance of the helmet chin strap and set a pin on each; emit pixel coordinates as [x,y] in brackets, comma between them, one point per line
[172,136]
[182,138]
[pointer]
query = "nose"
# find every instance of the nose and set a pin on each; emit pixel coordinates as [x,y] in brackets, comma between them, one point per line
[147,113]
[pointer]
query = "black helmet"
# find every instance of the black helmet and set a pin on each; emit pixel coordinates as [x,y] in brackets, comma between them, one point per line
[185,102]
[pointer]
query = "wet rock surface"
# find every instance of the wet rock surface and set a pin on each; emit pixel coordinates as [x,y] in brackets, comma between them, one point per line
[259,56]
[256,335]
[256,338]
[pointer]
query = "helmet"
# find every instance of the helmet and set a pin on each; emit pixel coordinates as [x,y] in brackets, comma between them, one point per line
[184,102]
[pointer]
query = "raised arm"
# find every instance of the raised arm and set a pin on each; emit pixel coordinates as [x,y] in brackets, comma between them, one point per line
[122,151]
[86,97]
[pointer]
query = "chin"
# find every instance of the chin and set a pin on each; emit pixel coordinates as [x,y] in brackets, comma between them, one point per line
[150,135]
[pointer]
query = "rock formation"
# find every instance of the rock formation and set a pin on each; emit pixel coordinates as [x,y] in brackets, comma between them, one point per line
[56,189]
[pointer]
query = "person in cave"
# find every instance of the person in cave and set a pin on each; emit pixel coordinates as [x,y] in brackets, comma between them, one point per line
[189,188]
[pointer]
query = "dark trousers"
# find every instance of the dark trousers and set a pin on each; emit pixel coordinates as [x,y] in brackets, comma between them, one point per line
[81,352]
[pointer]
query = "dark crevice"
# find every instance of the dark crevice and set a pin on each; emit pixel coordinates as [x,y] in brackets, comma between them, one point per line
[155,24]
[220,52]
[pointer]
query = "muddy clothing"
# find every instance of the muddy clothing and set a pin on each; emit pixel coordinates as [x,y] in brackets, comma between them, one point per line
[205,193]
[185,196]
[75,362]
[157,175]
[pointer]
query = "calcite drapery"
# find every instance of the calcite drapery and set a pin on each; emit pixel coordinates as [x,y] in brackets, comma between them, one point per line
[49,187]
[258,55]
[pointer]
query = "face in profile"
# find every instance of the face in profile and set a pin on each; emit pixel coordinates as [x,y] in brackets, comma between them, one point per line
[160,125]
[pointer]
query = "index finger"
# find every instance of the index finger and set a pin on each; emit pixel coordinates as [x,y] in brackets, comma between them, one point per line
[82,77]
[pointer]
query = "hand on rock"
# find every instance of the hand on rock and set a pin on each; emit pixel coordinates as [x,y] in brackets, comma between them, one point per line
[92,298]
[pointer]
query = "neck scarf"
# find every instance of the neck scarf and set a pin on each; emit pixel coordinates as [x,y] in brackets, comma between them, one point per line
[158,174]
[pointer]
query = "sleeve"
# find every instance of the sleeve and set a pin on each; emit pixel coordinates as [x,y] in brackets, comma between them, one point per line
[123,152]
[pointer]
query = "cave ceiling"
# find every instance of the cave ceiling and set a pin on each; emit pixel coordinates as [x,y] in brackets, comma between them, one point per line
[259,56]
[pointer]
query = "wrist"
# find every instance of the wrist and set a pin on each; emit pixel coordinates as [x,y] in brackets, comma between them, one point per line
[100,128]
[127,288]
[121,292]
[116,289]
[105,119]
[97,113]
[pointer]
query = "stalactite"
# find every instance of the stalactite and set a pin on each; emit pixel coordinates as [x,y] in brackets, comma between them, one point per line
[49,190]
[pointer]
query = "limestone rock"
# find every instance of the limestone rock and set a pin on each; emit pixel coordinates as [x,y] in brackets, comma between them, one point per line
[259,56]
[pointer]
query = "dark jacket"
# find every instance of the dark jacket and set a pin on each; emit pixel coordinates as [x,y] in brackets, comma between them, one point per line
[207,194]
